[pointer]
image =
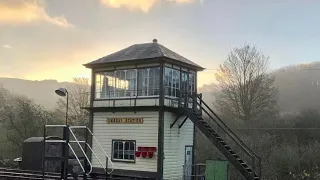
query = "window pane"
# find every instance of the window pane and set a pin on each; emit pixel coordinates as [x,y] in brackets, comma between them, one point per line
[120,83]
[126,146]
[154,81]
[131,82]
[132,147]
[131,157]
[98,85]
[191,82]
[168,81]
[116,145]
[142,82]
[109,84]
[120,154]
[115,155]
[121,145]
[126,155]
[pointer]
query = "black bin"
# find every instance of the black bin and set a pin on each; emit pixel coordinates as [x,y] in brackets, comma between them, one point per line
[33,150]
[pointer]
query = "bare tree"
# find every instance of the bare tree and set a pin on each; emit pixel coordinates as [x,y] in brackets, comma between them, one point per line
[247,91]
[79,97]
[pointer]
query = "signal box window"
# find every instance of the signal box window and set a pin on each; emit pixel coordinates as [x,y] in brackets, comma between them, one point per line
[123,150]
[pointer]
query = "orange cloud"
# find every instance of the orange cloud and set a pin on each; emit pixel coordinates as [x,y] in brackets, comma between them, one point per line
[26,11]
[143,5]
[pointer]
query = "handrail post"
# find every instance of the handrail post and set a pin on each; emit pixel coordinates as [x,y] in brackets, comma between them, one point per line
[66,152]
[200,96]
[85,150]
[179,100]
[194,102]
[253,166]
[260,172]
[186,103]
[44,151]
[107,159]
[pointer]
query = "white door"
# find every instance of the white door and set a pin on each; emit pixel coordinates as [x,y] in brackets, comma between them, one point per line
[188,154]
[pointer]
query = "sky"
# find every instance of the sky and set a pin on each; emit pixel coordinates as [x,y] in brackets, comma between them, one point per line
[46,39]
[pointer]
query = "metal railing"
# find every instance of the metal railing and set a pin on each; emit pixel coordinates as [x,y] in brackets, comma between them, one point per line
[195,102]
[123,93]
[88,145]
[68,130]
[197,172]
[84,153]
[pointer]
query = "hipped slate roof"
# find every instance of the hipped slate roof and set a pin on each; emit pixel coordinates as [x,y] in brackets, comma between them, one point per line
[141,52]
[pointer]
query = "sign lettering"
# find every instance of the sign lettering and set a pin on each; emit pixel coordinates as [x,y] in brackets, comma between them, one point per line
[125,121]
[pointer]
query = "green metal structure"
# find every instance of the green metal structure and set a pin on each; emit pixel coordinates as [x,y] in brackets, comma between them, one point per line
[216,170]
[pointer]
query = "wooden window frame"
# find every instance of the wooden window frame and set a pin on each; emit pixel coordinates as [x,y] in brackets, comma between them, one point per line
[123,160]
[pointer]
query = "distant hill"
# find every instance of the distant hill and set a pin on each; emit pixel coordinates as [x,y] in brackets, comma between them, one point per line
[299,87]
[42,92]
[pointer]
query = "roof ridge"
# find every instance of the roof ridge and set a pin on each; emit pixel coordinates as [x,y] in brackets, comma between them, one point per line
[160,49]
[142,51]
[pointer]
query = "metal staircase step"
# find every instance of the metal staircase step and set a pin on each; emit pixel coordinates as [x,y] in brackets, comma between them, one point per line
[249,170]
[227,147]
[223,143]
[206,127]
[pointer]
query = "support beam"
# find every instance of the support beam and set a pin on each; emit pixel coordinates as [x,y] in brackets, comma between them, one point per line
[185,119]
[174,122]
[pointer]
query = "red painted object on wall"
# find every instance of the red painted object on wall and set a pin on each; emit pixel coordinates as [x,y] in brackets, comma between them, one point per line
[146,151]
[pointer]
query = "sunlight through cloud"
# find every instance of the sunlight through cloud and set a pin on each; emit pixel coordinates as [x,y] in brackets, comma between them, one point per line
[143,5]
[19,12]
[7,46]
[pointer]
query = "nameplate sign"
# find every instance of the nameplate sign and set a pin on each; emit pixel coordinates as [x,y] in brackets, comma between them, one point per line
[125,121]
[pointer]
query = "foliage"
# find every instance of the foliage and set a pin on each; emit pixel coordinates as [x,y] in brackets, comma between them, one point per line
[79,97]
[21,119]
[247,91]
[289,146]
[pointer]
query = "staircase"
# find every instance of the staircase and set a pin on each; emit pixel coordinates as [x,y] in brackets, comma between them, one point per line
[209,123]
[69,138]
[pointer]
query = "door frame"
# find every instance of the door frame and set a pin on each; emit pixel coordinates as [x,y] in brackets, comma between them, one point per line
[191,155]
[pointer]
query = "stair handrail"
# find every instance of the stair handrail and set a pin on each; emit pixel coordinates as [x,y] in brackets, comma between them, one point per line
[96,156]
[88,145]
[88,129]
[101,149]
[77,158]
[226,126]
[246,151]
[81,150]
[233,136]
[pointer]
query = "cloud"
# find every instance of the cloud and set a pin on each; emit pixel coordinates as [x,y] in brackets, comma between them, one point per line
[7,46]
[143,5]
[26,11]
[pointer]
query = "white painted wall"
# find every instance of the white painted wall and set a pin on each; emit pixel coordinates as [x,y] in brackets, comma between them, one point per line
[175,140]
[145,134]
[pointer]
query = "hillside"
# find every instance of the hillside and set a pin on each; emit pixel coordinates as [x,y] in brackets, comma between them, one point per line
[299,87]
[42,92]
